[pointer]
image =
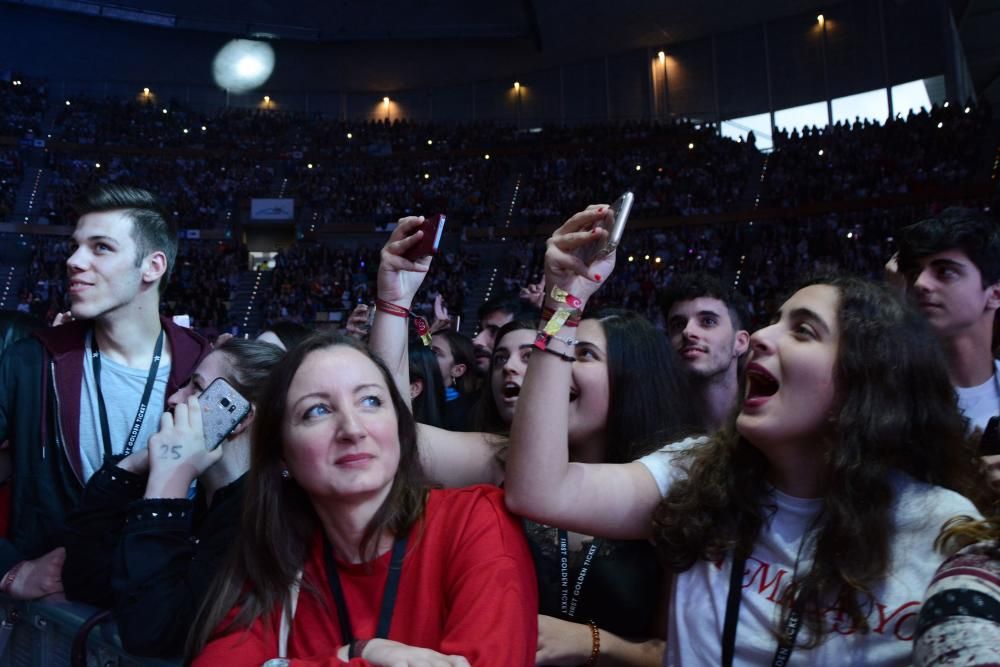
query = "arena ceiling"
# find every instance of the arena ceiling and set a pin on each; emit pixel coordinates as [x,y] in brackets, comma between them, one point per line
[553,31]
[978,24]
[548,24]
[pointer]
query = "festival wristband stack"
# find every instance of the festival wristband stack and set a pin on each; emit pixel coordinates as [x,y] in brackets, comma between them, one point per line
[566,314]
[419,323]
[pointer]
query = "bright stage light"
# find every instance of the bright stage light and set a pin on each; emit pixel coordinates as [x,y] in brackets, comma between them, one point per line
[242,65]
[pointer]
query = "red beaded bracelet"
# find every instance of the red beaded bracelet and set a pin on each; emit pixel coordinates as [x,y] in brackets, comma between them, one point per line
[595,649]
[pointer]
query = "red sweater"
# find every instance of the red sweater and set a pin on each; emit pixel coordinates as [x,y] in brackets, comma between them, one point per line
[467,588]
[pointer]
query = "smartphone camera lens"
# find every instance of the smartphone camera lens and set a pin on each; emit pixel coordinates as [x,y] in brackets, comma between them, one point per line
[225,402]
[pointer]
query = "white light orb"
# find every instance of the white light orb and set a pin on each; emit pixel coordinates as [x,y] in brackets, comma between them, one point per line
[242,65]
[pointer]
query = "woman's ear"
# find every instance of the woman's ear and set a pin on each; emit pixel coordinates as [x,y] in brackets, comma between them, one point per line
[416,388]
[244,424]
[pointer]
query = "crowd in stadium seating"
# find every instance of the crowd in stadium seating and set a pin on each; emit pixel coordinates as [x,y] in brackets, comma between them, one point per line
[830,387]
[939,147]
[377,190]
[310,278]
[202,283]
[674,169]
[11,173]
[202,192]
[377,171]
[404,168]
[22,106]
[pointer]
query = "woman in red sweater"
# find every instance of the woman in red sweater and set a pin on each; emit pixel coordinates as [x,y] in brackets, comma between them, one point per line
[344,556]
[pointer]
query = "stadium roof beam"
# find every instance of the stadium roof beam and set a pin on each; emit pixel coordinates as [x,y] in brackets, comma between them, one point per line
[265,30]
[531,16]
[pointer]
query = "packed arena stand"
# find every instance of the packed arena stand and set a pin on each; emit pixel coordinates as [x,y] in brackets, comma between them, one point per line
[23,103]
[941,147]
[11,172]
[202,191]
[757,221]
[377,190]
[675,169]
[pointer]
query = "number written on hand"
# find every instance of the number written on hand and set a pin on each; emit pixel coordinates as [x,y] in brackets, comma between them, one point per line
[170,452]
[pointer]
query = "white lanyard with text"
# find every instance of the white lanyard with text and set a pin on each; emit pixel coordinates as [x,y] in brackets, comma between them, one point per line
[567,602]
[133,435]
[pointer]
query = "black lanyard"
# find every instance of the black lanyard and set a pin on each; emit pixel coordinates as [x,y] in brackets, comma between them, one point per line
[388,596]
[95,358]
[568,602]
[786,642]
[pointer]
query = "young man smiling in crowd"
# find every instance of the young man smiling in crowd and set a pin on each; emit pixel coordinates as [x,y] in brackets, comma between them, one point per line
[72,395]
[707,324]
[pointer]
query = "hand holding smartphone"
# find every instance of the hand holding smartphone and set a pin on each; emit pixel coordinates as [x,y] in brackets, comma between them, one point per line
[222,409]
[433,228]
[614,223]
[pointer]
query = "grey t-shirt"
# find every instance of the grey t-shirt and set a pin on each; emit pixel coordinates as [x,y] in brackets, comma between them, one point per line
[122,388]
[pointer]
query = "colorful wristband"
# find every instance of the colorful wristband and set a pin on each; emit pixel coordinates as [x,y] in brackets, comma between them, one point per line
[572,321]
[391,308]
[419,323]
[560,295]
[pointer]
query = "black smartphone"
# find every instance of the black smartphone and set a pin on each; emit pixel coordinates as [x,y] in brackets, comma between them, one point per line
[222,408]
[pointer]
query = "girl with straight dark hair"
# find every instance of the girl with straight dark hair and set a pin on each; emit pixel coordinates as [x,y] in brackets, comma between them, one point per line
[616,412]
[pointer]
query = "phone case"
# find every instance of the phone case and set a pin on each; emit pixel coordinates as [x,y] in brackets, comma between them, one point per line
[620,211]
[432,228]
[222,408]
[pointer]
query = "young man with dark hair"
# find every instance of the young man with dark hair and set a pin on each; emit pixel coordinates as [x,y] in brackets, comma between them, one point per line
[492,315]
[72,395]
[951,263]
[707,325]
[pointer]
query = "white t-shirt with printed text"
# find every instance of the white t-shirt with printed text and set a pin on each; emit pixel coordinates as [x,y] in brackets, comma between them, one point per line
[698,596]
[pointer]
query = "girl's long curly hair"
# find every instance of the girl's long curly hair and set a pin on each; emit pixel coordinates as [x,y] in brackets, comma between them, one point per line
[898,411]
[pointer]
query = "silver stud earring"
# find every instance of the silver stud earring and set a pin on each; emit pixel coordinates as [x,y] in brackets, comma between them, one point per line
[285,474]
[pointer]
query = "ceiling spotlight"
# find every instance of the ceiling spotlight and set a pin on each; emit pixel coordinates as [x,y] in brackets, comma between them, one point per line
[243,64]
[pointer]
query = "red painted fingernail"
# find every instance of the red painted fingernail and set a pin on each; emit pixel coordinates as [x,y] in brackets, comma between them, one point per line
[593,231]
[597,277]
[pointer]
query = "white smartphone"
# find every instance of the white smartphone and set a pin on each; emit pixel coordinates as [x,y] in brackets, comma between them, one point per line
[222,408]
[619,215]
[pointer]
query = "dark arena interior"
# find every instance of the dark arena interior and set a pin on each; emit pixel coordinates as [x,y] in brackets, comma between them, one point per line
[756,244]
